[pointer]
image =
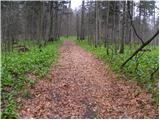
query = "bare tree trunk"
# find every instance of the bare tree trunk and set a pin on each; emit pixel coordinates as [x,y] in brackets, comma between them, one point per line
[144,24]
[82,37]
[69,18]
[140,14]
[114,27]
[77,27]
[130,27]
[106,37]
[56,21]
[51,21]
[97,23]
[123,28]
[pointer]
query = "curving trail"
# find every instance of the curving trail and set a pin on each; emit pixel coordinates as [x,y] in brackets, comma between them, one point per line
[83,87]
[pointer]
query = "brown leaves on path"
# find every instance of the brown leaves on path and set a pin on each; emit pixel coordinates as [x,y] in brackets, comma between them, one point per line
[82,87]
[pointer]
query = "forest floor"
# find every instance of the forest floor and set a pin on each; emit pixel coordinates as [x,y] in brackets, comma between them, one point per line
[81,86]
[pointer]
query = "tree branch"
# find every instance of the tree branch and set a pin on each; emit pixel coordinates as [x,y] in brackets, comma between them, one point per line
[154,72]
[134,29]
[140,48]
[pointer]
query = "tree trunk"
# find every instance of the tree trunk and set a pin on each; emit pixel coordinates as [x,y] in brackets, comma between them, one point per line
[123,28]
[97,23]
[106,26]
[82,22]
[77,27]
[51,21]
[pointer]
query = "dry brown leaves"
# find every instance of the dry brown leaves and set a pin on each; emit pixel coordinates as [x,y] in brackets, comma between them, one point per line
[81,87]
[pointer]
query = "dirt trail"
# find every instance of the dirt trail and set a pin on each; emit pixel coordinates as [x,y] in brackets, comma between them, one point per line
[82,87]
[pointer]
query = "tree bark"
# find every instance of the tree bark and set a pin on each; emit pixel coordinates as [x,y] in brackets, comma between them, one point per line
[77,27]
[123,28]
[82,37]
[97,23]
[106,26]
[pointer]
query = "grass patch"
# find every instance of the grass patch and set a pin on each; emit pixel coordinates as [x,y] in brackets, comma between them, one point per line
[148,62]
[14,67]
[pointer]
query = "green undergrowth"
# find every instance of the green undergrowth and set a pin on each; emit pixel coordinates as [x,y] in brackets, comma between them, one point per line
[16,65]
[148,62]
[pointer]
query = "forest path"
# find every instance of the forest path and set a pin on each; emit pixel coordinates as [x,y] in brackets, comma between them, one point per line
[82,87]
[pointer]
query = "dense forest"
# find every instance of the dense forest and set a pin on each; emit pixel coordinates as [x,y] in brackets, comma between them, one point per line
[100,60]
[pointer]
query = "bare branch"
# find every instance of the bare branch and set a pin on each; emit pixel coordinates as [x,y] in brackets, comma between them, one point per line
[134,29]
[140,48]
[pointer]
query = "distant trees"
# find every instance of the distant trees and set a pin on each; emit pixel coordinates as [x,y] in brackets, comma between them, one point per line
[102,22]
[117,22]
[10,25]
[39,21]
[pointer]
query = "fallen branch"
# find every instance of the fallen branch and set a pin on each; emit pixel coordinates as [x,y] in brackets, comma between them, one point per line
[154,72]
[134,29]
[140,48]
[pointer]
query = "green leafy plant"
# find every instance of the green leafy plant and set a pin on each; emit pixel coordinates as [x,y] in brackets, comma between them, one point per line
[27,94]
[14,67]
[32,82]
